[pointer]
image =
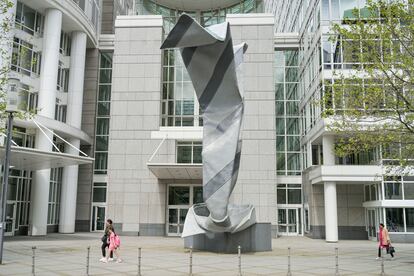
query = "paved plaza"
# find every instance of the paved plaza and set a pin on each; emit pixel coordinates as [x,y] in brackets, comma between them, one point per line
[59,254]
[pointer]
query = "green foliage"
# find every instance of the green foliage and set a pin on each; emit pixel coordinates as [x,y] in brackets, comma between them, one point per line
[6,43]
[373,102]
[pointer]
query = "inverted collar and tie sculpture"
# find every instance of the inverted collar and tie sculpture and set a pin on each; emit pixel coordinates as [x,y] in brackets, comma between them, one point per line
[213,64]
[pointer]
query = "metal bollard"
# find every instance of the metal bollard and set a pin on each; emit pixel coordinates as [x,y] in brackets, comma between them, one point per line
[336,262]
[139,261]
[289,273]
[191,261]
[33,260]
[239,254]
[382,266]
[87,259]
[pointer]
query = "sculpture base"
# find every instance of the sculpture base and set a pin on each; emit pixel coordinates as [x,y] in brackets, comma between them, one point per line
[256,238]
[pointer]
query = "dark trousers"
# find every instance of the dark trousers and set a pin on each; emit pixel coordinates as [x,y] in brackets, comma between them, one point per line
[380,249]
[103,247]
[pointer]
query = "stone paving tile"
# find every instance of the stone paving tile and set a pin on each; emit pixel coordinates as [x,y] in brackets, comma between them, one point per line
[65,255]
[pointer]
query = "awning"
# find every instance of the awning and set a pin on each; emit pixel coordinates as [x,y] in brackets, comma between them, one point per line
[176,170]
[34,159]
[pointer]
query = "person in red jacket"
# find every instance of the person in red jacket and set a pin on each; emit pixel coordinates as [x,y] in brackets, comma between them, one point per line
[384,240]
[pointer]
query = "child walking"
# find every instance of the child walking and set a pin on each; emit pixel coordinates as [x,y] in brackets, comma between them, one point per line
[114,244]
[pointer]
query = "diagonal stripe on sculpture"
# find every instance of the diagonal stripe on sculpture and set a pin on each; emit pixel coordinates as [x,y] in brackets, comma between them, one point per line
[212,64]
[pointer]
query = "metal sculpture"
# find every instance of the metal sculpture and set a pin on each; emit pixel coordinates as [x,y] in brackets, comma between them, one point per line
[213,65]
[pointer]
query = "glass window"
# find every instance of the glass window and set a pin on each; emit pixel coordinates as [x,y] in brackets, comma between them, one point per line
[55,185]
[281,195]
[184,154]
[409,219]
[394,219]
[347,7]
[293,143]
[197,195]
[197,156]
[292,91]
[292,126]
[408,190]
[373,192]
[101,162]
[104,92]
[99,192]
[280,143]
[102,126]
[105,75]
[178,195]
[367,194]
[280,126]
[279,91]
[280,108]
[293,161]
[189,152]
[103,108]
[24,59]
[279,74]
[102,143]
[294,196]
[28,19]
[179,107]
[393,190]
[280,161]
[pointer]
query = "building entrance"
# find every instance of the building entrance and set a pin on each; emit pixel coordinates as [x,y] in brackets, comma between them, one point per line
[372,221]
[10,218]
[180,198]
[98,218]
[289,221]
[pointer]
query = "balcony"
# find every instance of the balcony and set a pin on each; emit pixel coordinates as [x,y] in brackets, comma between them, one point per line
[346,174]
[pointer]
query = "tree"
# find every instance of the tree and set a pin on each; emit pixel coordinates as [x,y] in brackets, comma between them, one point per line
[6,22]
[6,57]
[371,100]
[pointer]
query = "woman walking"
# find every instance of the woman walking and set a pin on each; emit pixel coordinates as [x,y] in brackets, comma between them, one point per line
[384,240]
[114,243]
[105,241]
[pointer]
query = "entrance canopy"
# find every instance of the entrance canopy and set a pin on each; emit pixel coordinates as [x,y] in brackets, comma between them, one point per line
[34,159]
[176,170]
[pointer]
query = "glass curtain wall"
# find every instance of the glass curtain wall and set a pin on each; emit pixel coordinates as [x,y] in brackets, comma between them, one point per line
[19,188]
[102,113]
[287,113]
[103,106]
[179,106]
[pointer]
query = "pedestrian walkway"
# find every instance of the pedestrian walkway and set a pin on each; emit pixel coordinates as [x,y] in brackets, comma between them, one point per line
[63,254]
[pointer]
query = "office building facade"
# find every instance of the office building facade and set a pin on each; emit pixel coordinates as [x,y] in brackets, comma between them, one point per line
[134,110]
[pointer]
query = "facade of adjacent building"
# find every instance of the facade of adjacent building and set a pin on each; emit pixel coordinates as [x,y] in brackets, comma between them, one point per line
[98,79]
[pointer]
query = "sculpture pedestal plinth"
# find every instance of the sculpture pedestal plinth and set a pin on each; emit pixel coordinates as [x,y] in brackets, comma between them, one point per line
[256,238]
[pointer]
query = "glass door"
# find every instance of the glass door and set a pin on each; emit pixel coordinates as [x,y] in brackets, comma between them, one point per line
[288,221]
[180,199]
[10,218]
[98,218]
[372,224]
[293,222]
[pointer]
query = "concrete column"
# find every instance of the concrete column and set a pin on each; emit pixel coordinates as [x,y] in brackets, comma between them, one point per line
[331,211]
[328,143]
[46,104]
[67,215]
[74,118]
